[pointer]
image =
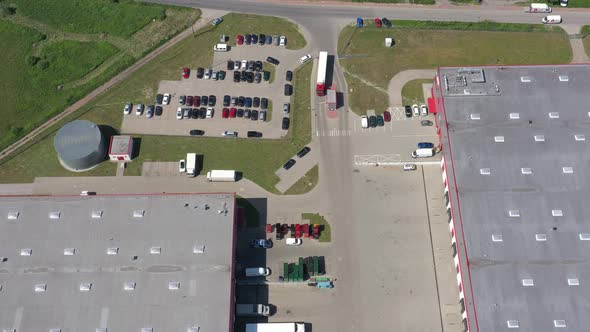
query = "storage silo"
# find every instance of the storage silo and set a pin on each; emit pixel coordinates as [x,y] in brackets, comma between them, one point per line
[79,145]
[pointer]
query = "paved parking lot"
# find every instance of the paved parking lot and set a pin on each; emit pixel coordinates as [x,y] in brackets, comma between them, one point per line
[167,124]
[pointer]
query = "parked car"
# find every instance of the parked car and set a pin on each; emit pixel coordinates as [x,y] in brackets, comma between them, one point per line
[264,103]
[221,75]
[426,123]
[289,75]
[408,111]
[261,243]
[230,65]
[289,164]
[257,78]
[214,75]
[225,113]
[372,121]
[229,133]
[266,75]
[305,58]
[416,110]
[209,112]
[424,110]
[254,115]
[236,76]
[196,132]
[179,113]
[204,100]
[380,121]
[247,39]
[261,39]
[158,111]
[409,167]
[303,152]
[248,102]
[149,112]
[139,109]
[239,39]
[275,40]
[195,113]
[159,99]
[377,22]
[254,134]
[217,21]
[272,60]
[286,107]
[128,108]
[186,113]
[364,121]
[262,116]
[247,113]
[202,113]
[240,113]
[425,145]
[282,41]
[189,100]
[285,123]
[251,64]
[291,241]
[288,89]
[226,100]
[196,101]
[166,99]
[359,22]
[241,101]
[212,100]
[387,116]
[268,39]
[386,22]
[182,166]
[254,39]
[182,100]
[232,112]
[255,102]
[250,78]
[200,72]
[244,65]
[185,72]
[207,74]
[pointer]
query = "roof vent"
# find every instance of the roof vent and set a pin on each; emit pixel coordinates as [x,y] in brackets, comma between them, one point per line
[147,329]
[567,170]
[69,251]
[174,285]
[26,252]
[528,282]
[525,79]
[129,286]
[497,237]
[541,237]
[85,286]
[559,323]
[564,78]
[13,215]
[580,137]
[198,249]
[514,116]
[54,215]
[557,213]
[193,329]
[573,282]
[512,324]
[155,250]
[584,236]
[96,214]
[8,330]
[101,330]
[54,330]
[499,139]
[484,171]
[514,213]
[40,288]
[526,170]
[553,115]
[539,138]
[112,251]
[138,213]
[475,116]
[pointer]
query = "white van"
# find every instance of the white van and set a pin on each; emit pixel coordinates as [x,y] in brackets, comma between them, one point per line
[257,271]
[551,19]
[538,8]
[364,121]
[220,48]
[422,153]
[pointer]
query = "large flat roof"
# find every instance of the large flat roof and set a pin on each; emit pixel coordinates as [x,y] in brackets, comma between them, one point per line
[516,145]
[173,253]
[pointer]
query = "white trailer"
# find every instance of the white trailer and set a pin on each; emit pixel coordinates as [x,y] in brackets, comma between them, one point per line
[538,8]
[252,310]
[191,164]
[275,327]
[221,176]
[320,88]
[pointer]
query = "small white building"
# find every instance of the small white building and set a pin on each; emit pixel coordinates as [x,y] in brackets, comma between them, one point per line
[388,41]
[120,148]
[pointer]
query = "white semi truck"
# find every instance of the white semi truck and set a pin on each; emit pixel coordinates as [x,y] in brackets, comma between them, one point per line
[191,164]
[252,310]
[221,176]
[275,327]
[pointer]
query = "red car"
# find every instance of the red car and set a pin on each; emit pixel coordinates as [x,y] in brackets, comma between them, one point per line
[240,39]
[232,113]
[225,113]
[185,72]
[387,116]
[189,100]
[196,101]
[378,22]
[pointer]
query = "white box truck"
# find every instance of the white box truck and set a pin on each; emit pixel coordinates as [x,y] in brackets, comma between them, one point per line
[275,327]
[551,19]
[422,153]
[221,176]
[538,8]
[252,310]
[191,164]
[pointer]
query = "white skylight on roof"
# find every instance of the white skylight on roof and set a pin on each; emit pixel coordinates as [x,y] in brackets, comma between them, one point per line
[559,323]
[512,324]
[541,237]
[564,78]
[69,251]
[40,288]
[475,116]
[499,139]
[198,249]
[54,215]
[553,115]
[539,138]
[557,213]
[193,329]
[85,286]
[573,282]
[147,329]
[155,250]
[8,330]
[497,237]
[13,215]
[484,171]
[525,79]
[138,213]
[526,170]
[567,170]
[174,285]
[584,236]
[101,330]
[514,116]
[112,251]
[129,286]
[97,214]
[528,282]
[55,330]
[26,252]
[514,213]
[580,137]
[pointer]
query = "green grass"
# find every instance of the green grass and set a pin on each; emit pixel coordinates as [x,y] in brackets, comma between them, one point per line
[586,40]
[365,97]
[417,47]
[316,218]
[122,18]
[251,214]
[257,159]
[306,183]
[412,92]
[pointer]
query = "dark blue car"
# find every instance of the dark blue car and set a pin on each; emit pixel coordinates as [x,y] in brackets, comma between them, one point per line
[359,22]
[425,145]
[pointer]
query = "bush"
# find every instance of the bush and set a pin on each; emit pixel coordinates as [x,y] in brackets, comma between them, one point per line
[43,64]
[16,131]
[32,60]
[8,10]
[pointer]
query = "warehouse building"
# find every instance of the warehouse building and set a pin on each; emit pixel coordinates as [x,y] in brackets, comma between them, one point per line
[515,152]
[80,145]
[136,263]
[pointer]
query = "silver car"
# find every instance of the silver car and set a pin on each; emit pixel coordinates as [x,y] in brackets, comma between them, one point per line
[149,111]
[262,115]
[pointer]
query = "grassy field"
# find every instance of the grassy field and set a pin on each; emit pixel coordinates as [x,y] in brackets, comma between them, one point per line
[316,218]
[586,40]
[430,44]
[306,183]
[412,92]
[258,160]
[45,69]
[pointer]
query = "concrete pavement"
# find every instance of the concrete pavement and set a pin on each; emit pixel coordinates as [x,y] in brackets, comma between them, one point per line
[394,88]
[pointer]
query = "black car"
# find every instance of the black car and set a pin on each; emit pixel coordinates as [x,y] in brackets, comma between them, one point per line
[221,75]
[380,121]
[200,72]
[285,124]
[289,76]
[158,110]
[254,134]
[255,102]
[426,123]
[268,39]
[303,152]
[248,102]
[181,100]
[204,100]
[196,132]
[288,89]
[261,39]
[241,101]
[244,76]
[250,77]
[230,65]
[254,115]
[372,121]
[159,99]
[247,39]
[258,66]
[266,75]
[254,39]
[386,22]
[273,61]
[408,111]
[202,113]
[289,164]
[257,77]
[247,114]
[264,103]
[226,100]
[212,100]
[195,113]
[236,76]
[240,113]
[251,65]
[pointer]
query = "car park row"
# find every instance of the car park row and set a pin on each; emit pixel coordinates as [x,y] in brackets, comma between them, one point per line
[261,39]
[379,120]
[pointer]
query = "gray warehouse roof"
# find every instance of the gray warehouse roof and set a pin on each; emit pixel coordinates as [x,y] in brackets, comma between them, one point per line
[517,152]
[124,263]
